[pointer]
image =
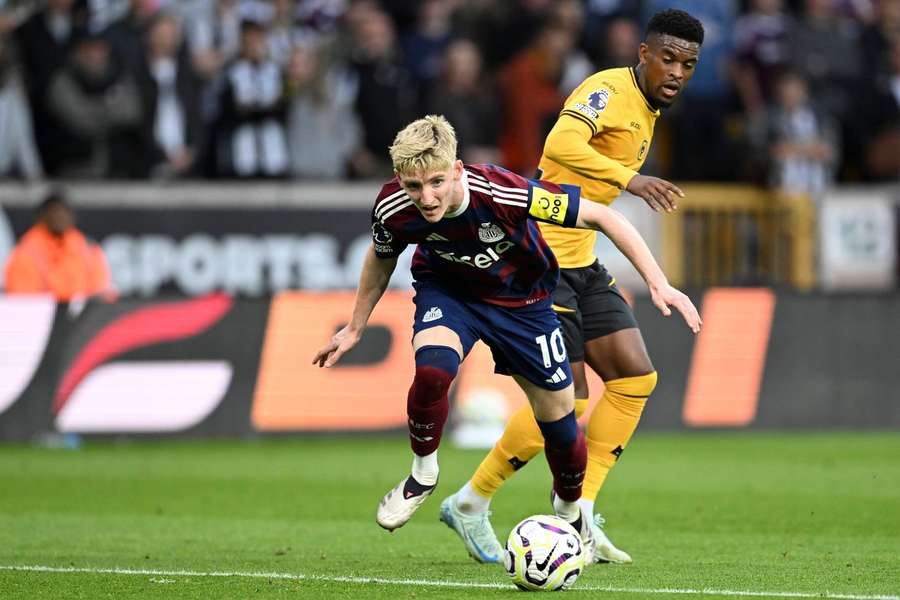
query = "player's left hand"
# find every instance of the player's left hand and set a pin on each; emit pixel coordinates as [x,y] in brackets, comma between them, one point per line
[659,194]
[666,296]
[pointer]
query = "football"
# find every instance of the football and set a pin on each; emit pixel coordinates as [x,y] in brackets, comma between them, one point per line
[543,553]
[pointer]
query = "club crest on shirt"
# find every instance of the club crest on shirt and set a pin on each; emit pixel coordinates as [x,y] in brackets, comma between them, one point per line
[643,150]
[488,232]
[598,99]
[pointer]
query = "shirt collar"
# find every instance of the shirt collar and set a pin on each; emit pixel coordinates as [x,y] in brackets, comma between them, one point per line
[464,180]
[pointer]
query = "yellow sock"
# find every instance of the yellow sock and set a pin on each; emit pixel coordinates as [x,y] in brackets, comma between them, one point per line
[612,422]
[521,441]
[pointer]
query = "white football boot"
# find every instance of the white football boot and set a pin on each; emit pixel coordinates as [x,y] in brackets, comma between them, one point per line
[399,504]
[604,550]
[474,530]
[583,526]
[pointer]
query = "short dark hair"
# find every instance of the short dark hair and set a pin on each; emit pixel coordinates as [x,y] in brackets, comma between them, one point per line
[56,196]
[676,23]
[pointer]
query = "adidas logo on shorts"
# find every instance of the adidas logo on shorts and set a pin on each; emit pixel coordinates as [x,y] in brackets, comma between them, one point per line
[558,377]
[434,313]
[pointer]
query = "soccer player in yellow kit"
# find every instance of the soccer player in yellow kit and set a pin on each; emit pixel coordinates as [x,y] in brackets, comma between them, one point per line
[599,142]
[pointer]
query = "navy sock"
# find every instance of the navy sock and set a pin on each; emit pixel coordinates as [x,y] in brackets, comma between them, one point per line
[566,454]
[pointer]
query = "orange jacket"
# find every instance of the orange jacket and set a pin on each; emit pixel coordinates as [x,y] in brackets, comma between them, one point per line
[531,103]
[66,267]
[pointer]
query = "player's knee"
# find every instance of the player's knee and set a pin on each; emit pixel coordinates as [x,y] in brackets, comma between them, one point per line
[639,386]
[436,367]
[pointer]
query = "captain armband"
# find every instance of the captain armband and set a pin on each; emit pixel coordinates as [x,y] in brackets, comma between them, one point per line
[561,208]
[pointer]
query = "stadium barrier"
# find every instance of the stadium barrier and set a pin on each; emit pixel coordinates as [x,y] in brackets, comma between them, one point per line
[217,365]
[256,239]
[727,235]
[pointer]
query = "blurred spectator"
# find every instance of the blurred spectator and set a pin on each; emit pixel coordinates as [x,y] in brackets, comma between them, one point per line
[878,110]
[761,52]
[467,99]
[282,30]
[621,40]
[599,20]
[531,99]
[318,20]
[569,16]
[214,32]
[169,93]
[825,49]
[503,28]
[424,46]
[43,41]
[323,131]
[386,97]
[877,36]
[800,139]
[53,257]
[254,143]
[97,105]
[126,35]
[18,154]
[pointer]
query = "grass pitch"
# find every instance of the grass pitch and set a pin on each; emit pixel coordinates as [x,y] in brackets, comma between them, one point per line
[704,515]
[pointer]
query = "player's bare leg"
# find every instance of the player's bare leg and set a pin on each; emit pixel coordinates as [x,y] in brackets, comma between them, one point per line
[438,353]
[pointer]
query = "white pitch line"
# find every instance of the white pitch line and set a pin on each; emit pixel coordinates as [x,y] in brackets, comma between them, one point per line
[436,583]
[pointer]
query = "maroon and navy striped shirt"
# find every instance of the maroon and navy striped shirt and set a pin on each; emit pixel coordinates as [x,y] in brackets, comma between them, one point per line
[490,248]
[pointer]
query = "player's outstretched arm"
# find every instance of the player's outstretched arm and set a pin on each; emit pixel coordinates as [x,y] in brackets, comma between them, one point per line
[373,281]
[592,215]
[659,194]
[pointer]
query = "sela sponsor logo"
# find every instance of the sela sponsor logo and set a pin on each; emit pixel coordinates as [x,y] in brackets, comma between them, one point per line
[251,265]
[434,313]
[489,233]
[482,260]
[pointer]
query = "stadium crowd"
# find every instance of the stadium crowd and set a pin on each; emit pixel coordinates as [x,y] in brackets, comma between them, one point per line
[793,94]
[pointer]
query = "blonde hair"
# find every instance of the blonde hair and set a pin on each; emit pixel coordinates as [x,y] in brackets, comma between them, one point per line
[423,146]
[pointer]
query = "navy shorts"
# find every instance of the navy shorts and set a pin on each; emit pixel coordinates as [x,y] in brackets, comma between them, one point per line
[525,341]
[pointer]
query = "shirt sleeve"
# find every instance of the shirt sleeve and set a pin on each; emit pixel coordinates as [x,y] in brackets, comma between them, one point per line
[386,245]
[594,104]
[568,145]
[554,203]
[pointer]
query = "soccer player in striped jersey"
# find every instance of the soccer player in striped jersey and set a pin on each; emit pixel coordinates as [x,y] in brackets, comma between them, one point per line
[599,142]
[482,271]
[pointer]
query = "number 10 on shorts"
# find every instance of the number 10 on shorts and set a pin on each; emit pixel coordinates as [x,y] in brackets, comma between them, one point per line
[554,345]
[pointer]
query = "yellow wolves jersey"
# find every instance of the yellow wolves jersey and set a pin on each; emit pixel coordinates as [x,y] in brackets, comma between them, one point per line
[611,114]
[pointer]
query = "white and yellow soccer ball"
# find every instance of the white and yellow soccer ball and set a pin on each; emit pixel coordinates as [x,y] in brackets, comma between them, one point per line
[543,553]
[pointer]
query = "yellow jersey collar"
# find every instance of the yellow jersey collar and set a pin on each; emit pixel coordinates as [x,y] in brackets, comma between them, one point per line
[647,103]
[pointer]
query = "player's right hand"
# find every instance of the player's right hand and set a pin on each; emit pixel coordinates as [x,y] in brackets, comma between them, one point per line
[666,296]
[341,343]
[659,194]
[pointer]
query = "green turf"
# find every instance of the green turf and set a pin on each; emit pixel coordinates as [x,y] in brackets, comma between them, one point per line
[808,513]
